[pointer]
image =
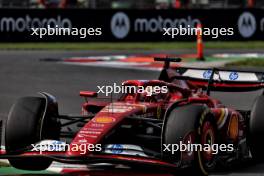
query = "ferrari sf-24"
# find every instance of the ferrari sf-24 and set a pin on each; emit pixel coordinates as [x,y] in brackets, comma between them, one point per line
[140,130]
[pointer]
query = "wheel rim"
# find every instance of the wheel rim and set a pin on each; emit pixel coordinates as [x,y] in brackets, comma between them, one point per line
[208,137]
[189,139]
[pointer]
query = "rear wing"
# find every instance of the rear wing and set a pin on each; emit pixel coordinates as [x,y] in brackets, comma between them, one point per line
[214,78]
[222,79]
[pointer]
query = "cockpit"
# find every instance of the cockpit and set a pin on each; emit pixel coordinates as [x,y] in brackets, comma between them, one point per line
[153,91]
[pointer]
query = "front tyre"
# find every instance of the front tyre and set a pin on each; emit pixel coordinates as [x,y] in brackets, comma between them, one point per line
[30,121]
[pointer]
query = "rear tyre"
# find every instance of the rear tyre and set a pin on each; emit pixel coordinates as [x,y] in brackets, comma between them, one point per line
[26,125]
[193,124]
[256,129]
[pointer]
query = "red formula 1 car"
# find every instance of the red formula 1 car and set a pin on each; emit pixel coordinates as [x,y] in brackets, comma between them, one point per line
[181,128]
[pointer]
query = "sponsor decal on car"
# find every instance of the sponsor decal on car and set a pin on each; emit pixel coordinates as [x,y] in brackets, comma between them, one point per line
[117,108]
[94,129]
[96,125]
[81,135]
[117,149]
[124,149]
[90,132]
[92,136]
[82,141]
[222,75]
[233,76]
[207,74]
[123,107]
[104,119]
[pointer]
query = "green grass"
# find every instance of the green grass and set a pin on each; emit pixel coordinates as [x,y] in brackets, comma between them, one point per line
[130,45]
[248,63]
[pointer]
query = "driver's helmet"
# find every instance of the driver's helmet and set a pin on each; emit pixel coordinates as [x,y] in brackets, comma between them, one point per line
[130,97]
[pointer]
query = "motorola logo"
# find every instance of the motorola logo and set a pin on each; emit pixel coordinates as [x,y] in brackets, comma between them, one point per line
[25,23]
[120,25]
[247,24]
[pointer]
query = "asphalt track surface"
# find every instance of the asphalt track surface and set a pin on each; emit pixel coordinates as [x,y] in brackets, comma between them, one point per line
[22,74]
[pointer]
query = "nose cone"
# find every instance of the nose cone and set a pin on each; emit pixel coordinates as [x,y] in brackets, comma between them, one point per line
[88,138]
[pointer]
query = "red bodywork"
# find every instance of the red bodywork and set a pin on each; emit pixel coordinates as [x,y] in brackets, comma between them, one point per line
[108,117]
[112,114]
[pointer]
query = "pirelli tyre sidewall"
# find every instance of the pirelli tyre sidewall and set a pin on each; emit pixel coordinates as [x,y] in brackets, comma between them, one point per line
[256,129]
[198,122]
[23,128]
